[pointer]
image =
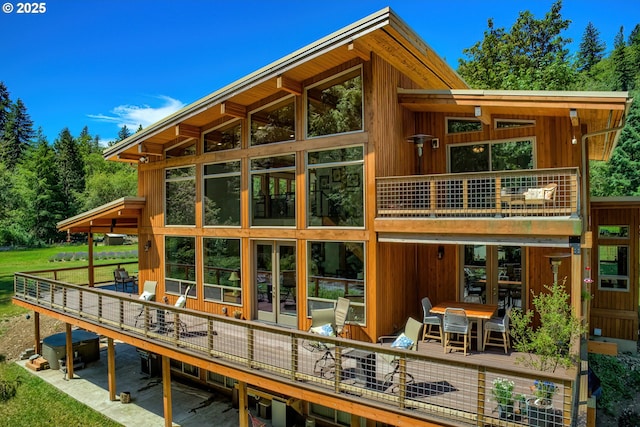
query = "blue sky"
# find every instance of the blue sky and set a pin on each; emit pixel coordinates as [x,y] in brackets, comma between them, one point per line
[106,63]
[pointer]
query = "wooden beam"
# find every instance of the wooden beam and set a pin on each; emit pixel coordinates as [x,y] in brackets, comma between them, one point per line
[289,85]
[36,333]
[69,348]
[359,50]
[150,149]
[243,404]
[482,114]
[573,115]
[111,369]
[233,109]
[602,347]
[187,131]
[166,391]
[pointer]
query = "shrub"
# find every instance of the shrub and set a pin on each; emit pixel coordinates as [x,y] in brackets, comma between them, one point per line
[552,343]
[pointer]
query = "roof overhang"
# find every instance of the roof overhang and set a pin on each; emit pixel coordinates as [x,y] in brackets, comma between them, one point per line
[622,202]
[599,111]
[121,216]
[382,33]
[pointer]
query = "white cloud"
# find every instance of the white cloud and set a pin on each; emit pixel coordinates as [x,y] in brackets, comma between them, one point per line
[135,115]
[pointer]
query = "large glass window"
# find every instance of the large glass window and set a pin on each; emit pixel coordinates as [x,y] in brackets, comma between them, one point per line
[222,280]
[463,125]
[180,196]
[613,267]
[274,123]
[181,149]
[222,194]
[273,191]
[180,265]
[335,187]
[335,105]
[336,269]
[491,156]
[224,137]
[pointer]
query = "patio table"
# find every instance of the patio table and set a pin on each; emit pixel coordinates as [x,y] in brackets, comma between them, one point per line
[475,311]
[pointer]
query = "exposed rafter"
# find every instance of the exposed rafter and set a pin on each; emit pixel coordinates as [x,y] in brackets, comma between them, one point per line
[359,50]
[150,149]
[482,114]
[289,85]
[187,131]
[575,120]
[233,109]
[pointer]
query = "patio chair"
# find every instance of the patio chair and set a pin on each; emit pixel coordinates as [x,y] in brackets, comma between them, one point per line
[148,294]
[323,324]
[473,324]
[498,325]
[121,277]
[174,319]
[429,321]
[341,314]
[408,340]
[455,322]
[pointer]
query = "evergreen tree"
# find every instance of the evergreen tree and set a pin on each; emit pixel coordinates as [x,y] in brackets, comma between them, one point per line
[623,72]
[591,49]
[18,131]
[624,167]
[124,133]
[41,193]
[71,170]
[532,55]
[5,104]
[139,129]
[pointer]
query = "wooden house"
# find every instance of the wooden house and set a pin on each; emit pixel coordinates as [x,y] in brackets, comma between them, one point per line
[362,166]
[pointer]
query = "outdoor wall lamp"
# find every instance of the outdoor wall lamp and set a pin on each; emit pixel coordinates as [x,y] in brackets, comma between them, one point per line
[440,252]
[147,246]
[144,159]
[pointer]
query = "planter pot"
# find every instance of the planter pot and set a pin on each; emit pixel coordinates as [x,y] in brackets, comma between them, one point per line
[540,414]
[505,412]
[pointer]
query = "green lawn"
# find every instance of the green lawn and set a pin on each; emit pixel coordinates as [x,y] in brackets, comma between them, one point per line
[38,403]
[38,259]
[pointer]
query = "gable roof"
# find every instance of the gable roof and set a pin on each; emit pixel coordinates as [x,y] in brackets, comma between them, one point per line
[382,32]
[121,215]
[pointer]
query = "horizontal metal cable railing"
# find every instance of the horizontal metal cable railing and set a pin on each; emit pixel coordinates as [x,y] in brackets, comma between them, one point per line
[409,382]
[538,192]
[80,275]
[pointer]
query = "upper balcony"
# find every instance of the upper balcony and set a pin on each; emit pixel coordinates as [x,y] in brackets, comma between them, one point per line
[540,201]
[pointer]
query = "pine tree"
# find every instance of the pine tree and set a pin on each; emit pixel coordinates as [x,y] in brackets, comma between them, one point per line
[5,104]
[41,193]
[18,131]
[621,63]
[71,170]
[624,167]
[591,49]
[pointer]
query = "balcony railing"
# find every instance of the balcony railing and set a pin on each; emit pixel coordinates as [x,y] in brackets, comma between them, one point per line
[539,192]
[412,383]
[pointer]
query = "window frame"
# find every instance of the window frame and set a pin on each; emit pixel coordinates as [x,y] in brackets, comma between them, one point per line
[182,283]
[462,119]
[524,123]
[253,172]
[283,100]
[164,193]
[223,126]
[334,77]
[222,288]
[309,167]
[217,176]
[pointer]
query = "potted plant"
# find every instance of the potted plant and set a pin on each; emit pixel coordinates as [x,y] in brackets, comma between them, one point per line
[540,408]
[502,392]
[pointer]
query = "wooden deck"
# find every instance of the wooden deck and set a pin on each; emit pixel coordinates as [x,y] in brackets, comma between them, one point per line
[429,383]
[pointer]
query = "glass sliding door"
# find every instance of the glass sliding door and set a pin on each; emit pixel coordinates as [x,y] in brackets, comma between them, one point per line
[276,282]
[493,275]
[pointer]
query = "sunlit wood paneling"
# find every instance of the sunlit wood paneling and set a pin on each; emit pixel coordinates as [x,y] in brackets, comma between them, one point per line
[615,312]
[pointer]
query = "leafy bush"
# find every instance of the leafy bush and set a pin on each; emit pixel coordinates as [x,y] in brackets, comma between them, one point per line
[551,344]
[618,381]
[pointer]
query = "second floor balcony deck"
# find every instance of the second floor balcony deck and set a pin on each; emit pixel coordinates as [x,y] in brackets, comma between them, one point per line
[541,192]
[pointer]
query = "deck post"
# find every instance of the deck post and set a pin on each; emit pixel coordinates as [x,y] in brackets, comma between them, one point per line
[243,404]
[166,392]
[90,256]
[111,369]
[69,348]
[37,345]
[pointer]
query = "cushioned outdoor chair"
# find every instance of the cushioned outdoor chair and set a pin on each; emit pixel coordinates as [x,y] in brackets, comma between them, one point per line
[121,279]
[429,321]
[455,322]
[323,324]
[408,340]
[340,316]
[148,294]
[173,321]
[498,325]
